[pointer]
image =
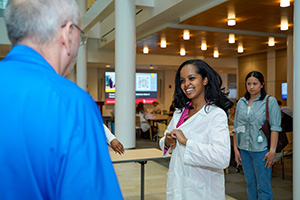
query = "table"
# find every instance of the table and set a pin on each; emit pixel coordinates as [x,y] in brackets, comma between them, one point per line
[141,156]
[156,118]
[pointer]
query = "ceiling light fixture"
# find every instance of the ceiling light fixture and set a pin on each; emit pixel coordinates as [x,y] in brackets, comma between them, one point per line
[146,50]
[216,53]
[231,17]
[271,41]
[203,45]
[231,22]
[240,48]
[107,66]
[182,51]
[186,34]
[284,23]
[231,38]
[284,3]
[163,42]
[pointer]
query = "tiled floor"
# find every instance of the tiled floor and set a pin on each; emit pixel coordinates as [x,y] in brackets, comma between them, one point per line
[155,179]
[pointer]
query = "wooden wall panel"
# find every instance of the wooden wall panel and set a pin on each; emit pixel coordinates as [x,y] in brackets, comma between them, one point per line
[281,73]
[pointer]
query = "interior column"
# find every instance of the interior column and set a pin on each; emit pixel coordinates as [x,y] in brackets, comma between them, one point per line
[296,110]
[125,51]
[81,66]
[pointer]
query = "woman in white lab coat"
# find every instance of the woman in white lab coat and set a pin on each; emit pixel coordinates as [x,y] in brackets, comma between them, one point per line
[197,135]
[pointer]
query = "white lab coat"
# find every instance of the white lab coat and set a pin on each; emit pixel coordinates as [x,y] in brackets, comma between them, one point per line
[108,134]
[144,123]
[196,170]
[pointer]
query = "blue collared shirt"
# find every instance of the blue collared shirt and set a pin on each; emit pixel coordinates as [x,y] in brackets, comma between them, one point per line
[52,142]
[247,125]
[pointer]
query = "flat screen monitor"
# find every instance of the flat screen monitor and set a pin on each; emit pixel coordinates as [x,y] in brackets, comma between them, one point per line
[283,90]
[232,93]
[145,87]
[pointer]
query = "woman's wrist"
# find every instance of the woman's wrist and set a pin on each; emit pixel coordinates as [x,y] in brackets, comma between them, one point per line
[272,149]
[167,145]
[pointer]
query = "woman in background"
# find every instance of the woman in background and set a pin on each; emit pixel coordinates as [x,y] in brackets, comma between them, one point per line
[197,135]
[156,109]
[141,111]
[250,144]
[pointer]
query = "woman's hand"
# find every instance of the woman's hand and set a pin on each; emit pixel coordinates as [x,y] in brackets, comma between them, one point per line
[117,146]
[238,158]
[170,141]
[270,156]
[178,134]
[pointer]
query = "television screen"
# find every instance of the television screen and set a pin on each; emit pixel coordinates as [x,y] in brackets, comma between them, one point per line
[145,87]
[283,90]
[232,93]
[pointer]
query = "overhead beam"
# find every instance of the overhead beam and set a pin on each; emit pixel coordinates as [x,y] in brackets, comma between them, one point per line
[97,13]
[144,3]
[224,30]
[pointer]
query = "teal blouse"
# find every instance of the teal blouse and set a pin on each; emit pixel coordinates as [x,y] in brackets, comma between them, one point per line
[247,125]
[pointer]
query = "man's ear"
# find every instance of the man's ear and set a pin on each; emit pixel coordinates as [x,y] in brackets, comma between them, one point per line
[67,36]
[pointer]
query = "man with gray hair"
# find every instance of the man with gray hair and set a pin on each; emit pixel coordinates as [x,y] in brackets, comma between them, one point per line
[52,142]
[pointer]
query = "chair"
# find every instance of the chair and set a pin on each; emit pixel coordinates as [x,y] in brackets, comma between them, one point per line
[138,128]
[161,128]
[288,150]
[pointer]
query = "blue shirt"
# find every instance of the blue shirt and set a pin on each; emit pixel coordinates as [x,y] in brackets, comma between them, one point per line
[52,142]
[247,125]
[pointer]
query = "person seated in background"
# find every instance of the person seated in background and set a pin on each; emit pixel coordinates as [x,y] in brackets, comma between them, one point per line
[115,144]
[156,109]
[141,111]
[287,119]
[279,103]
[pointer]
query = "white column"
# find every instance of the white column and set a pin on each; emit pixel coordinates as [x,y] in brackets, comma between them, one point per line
[271,68]
[290,55]
[81,66]
[125,51]
[296,128]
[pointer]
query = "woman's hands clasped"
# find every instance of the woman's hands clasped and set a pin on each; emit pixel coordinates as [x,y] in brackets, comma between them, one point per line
[171,138]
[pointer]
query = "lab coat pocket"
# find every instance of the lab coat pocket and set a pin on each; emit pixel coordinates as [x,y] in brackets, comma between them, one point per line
[172,187]
[193,189]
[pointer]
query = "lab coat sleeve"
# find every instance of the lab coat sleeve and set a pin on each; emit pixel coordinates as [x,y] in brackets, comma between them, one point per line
[215,153]
[162,140]
[108,134]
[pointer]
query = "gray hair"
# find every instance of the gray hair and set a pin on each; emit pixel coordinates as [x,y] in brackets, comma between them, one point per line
[38,20]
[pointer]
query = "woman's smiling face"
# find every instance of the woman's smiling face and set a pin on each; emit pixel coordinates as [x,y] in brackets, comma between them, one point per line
[192,83]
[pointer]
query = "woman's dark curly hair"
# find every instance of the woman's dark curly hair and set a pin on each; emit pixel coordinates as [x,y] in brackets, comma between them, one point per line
[213,94]
[260,77]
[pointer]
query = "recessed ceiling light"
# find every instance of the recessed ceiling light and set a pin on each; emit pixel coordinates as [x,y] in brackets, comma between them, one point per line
[216,53]
[231,38]
[271,41]
[163,42]
[240,48]
[284,23]
[203,45]
[186,34]
[231,22]
[182,51]
[284,3]
[146,50]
